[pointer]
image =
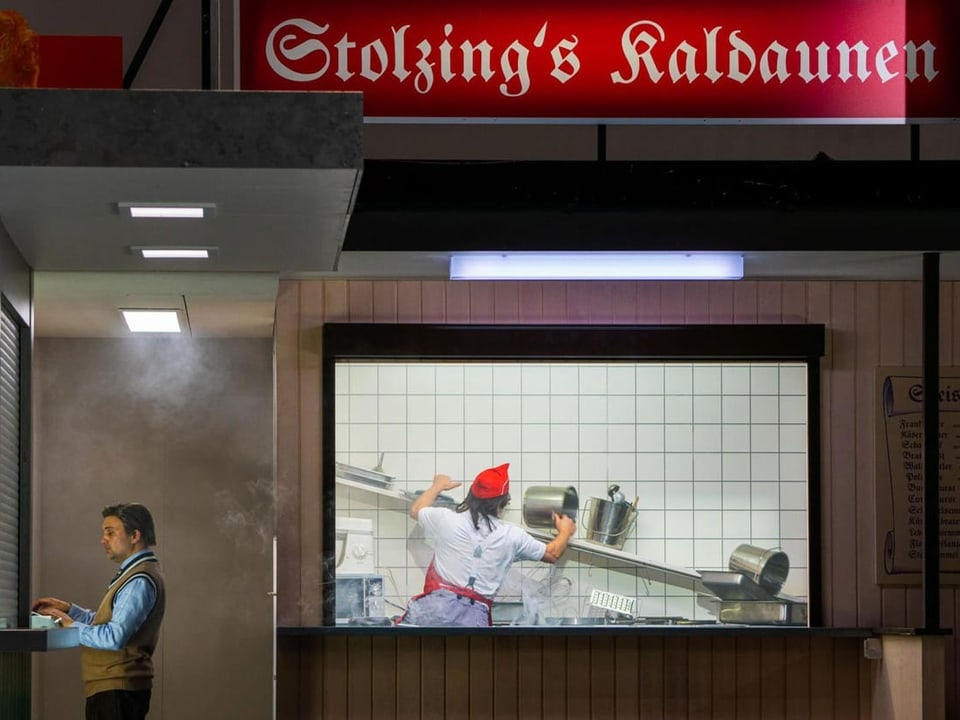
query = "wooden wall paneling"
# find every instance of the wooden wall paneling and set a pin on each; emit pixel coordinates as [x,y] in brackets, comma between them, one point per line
[360,300]
[554,302]
[432,304]
[745,302]
[713,677]
[457,687]
[649,303]
[720,302]
[672,302]
[554,667]
[913,356]
[383,678]
[313,682]
[506,684]
[848,654]
[286,344]
[773,678]
[652,669]
[530,296]
[769,301]
[385,301]
[336,299]
[818,309]
[481,302]
[602,674]
[359,671]
[626,659]
[696,302]
[313,304]
[578,310]
[869,601]
[334,677]
[623,299]
[577,689]
[457,299]
[703,677]
[408,678]
[481,678]
[409,301]
[890,354]
[531,683]
[793,307]
[822,689]
[289,681]
[433,676]
[749,678]
[842,494]
[506,303]
[797,666]
[601,303]
[675,678]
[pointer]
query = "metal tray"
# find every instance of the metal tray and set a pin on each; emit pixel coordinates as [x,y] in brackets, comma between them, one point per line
[362,475]
[759,612]
[733,586]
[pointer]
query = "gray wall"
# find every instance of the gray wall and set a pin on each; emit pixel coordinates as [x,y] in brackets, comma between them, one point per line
[186,427]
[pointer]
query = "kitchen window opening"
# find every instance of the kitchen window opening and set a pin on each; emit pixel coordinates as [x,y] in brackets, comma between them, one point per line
[707,436]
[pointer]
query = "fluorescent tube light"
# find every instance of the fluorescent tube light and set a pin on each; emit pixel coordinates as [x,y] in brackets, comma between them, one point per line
[174,253]
[596,266]
[166,210]
[152,321]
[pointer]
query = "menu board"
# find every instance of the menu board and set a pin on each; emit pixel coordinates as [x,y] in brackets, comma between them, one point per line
[900,483]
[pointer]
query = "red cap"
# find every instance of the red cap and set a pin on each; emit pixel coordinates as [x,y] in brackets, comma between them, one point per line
[491,483]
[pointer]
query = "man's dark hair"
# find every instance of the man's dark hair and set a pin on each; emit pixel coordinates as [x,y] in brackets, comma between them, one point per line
[486,508]
[134,516]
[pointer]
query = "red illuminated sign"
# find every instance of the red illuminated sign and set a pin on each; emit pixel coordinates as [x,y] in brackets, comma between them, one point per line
[618,60]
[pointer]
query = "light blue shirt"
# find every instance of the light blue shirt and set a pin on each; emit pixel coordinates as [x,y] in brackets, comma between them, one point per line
[131,605]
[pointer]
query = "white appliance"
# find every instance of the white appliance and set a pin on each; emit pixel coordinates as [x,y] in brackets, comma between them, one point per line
[354,547]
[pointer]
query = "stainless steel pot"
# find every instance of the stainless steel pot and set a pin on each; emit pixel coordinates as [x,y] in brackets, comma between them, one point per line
[768,568]
[540,502]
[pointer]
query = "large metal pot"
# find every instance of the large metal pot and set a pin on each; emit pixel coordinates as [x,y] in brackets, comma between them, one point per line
[540,502]
[767,567]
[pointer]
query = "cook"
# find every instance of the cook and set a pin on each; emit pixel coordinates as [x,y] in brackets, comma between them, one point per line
[473,550]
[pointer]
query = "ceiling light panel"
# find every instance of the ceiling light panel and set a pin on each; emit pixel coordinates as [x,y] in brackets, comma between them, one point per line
[596,266]
[152,321]
[195,211]
[166,253]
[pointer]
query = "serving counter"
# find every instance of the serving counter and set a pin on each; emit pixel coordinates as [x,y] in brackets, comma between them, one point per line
[25,640]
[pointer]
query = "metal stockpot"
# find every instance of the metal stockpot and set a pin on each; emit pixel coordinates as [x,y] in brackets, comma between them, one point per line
[540,502]
[766,567]
[609,522]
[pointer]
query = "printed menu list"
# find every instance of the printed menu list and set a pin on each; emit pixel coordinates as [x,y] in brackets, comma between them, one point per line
[900,474]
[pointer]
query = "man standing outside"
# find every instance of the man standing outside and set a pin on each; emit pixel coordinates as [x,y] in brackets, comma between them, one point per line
[118,639]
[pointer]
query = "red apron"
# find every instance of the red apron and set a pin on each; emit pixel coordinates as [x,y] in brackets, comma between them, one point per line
[433,581]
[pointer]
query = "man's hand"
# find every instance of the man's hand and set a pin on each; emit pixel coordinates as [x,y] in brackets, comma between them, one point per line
[444,482]
[440,483]
[45,605]
[564,524]
[65,620]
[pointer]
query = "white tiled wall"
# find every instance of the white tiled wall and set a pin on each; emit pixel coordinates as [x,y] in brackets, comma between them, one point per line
[716,453]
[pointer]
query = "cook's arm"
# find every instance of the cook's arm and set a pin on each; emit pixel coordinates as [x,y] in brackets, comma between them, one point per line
[440,483]
[566,527]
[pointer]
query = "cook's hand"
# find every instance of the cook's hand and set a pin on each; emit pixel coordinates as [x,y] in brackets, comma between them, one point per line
[564,524]
[45,604]
[444,482]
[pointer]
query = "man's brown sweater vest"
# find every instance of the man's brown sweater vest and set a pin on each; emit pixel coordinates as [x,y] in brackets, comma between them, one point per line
[130,668]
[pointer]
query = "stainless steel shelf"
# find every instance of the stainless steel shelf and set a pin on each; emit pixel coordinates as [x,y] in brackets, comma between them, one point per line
[604,551]
[386,492]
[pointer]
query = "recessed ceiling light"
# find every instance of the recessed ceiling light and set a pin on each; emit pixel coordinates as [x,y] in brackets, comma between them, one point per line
[596,266]
[166,210]
[166,253]
[152,321]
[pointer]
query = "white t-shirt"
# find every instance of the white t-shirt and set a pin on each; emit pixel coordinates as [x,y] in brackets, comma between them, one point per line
[462,553]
